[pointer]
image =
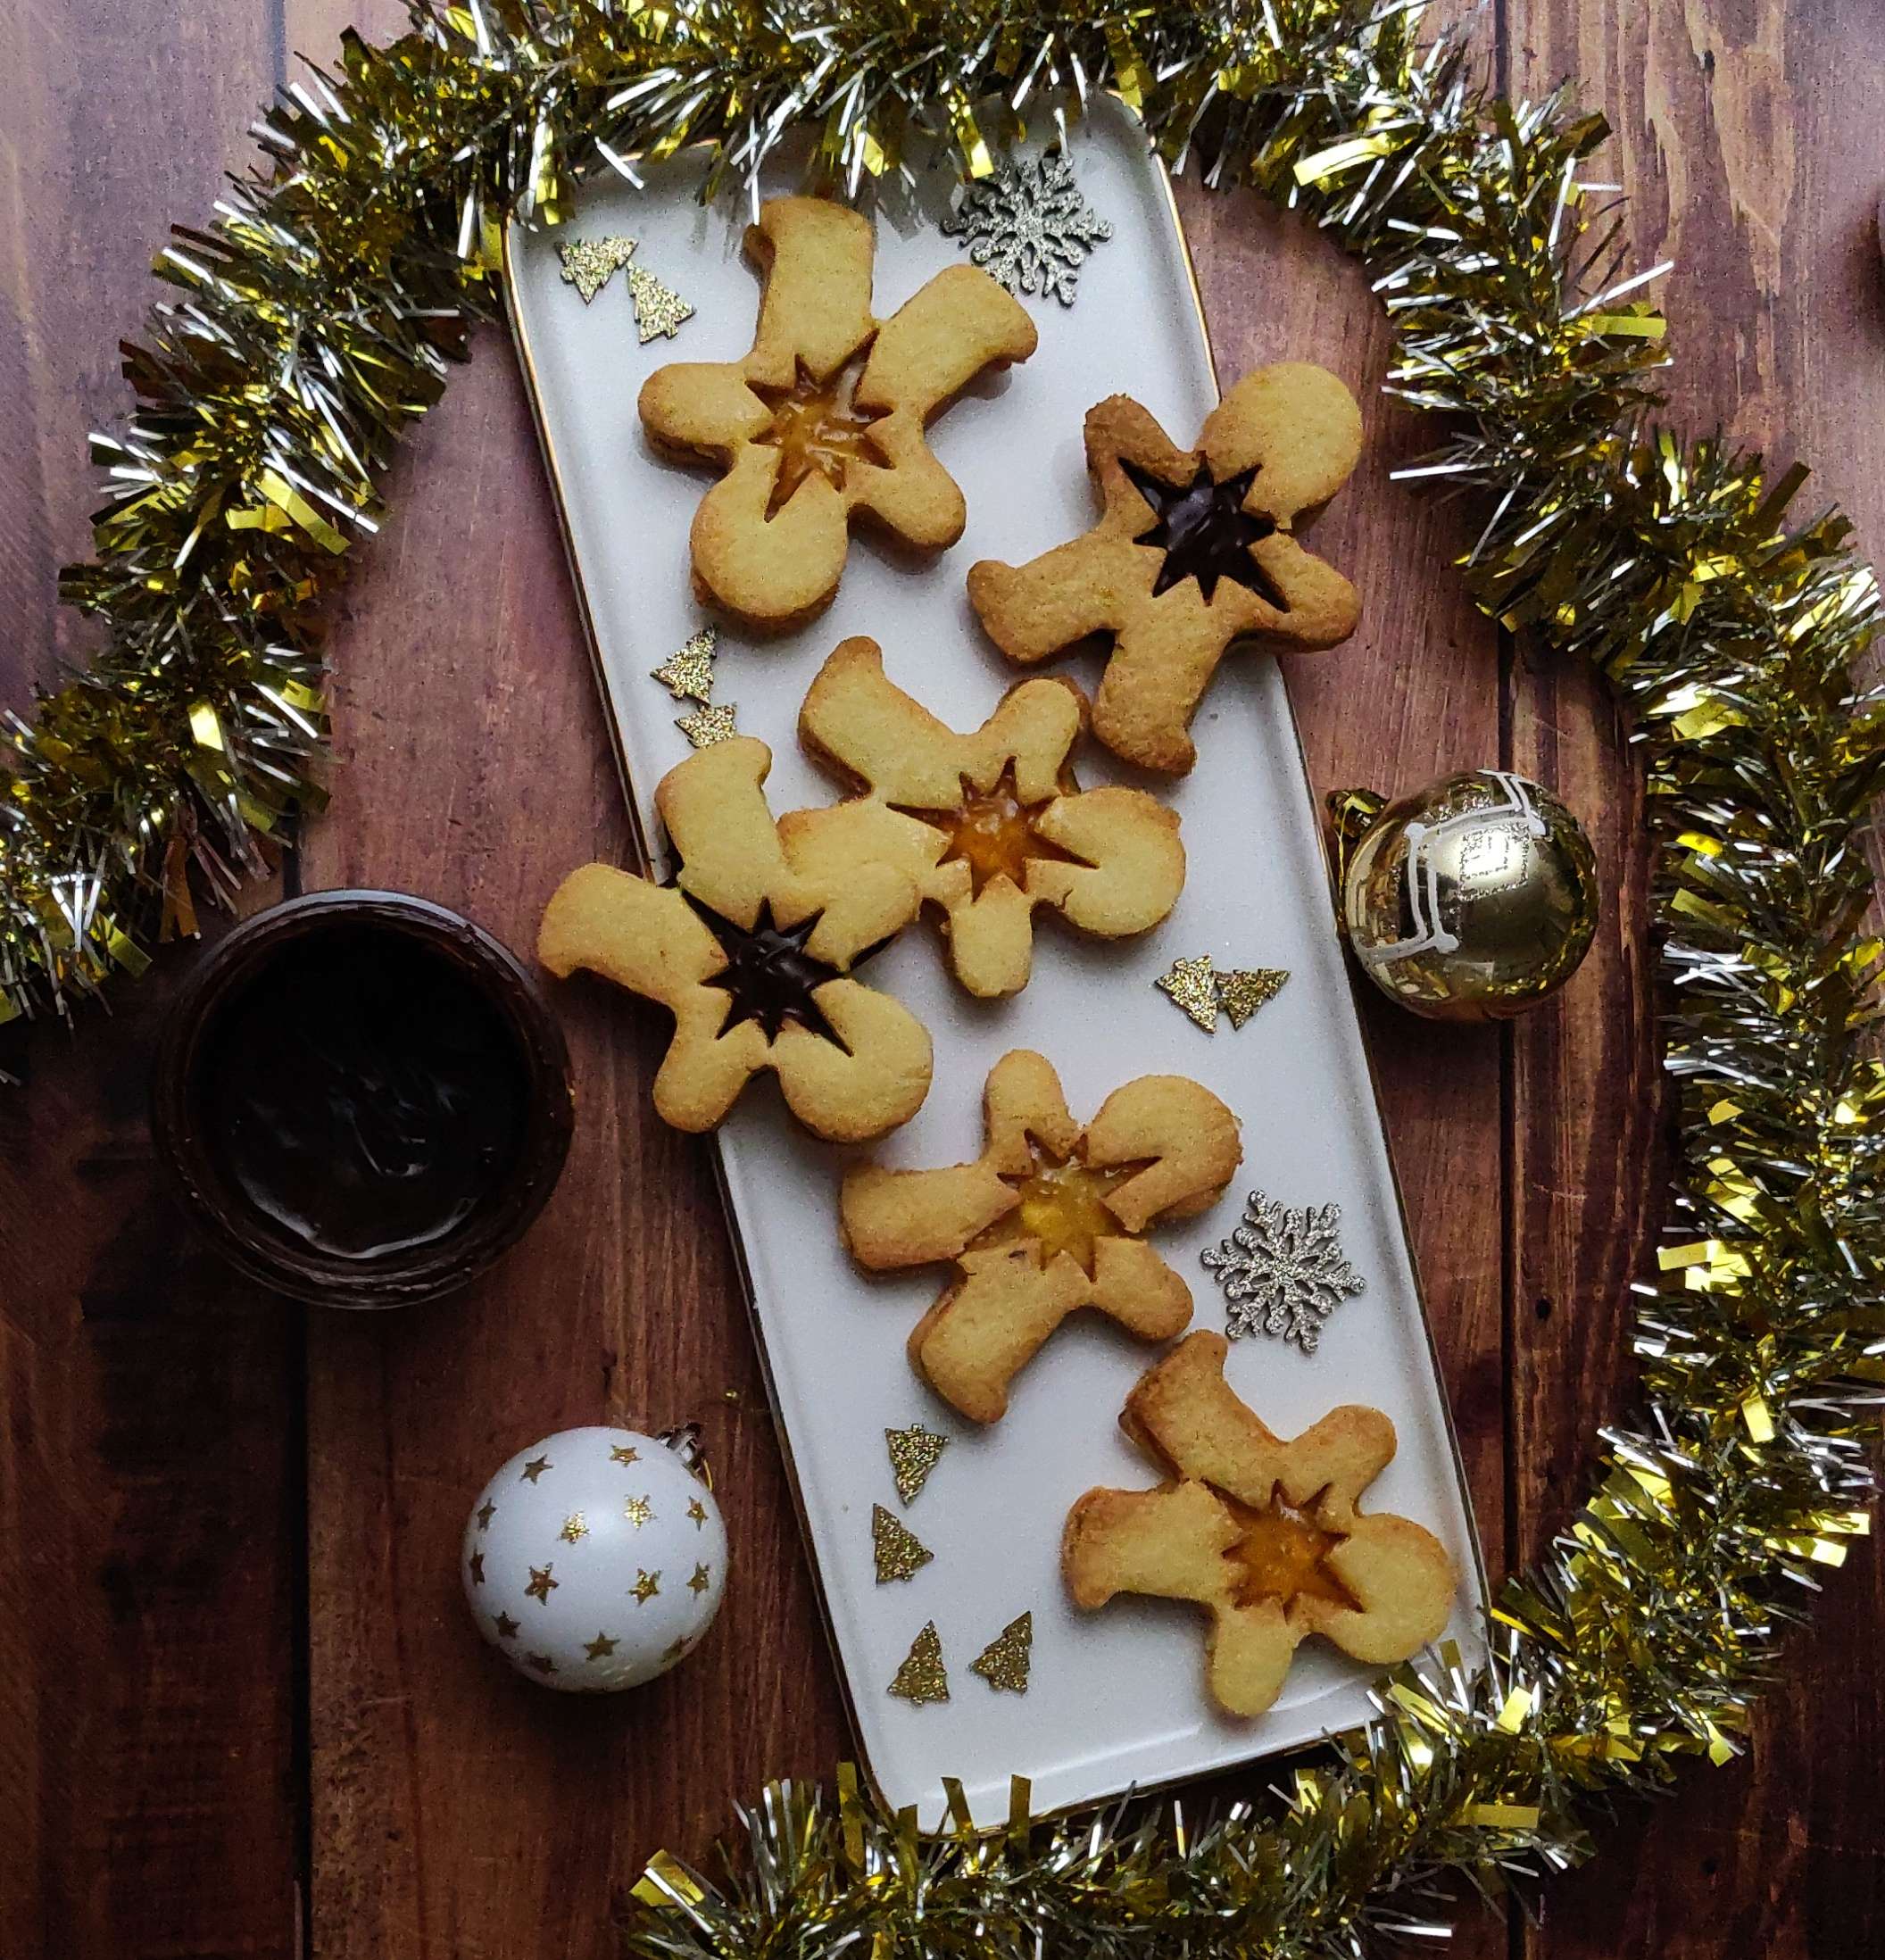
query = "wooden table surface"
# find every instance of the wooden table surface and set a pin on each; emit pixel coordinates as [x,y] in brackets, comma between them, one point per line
[241,1706]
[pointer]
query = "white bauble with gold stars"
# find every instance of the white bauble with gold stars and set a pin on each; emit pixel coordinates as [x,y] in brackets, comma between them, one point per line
[594,1560]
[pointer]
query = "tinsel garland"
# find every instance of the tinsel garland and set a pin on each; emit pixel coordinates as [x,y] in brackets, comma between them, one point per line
[314,323]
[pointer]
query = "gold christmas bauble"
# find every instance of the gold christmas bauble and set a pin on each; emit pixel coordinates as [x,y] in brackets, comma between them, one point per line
[1471,900]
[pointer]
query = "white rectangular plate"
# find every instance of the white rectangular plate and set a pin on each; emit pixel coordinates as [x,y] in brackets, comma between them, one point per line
[1116,1697]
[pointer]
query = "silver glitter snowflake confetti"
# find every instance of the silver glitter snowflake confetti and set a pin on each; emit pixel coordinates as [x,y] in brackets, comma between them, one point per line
[1028,227]
[1283,1271]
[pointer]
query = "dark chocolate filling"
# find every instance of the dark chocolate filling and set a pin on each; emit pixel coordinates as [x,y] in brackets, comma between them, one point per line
[768,973]
[1205,532]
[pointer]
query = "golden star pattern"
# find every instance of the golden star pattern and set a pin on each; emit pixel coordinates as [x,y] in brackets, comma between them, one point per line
[542,1664]
[507,1628]
[486,1511]
[624,1453]
[646,1585]
[697,1511]
[477,1568]
[701,1581]
[590,263]
[534,1468]
[600,1647]
[675,1650]
[638,1511]
[706,726]
[575,1526]
[542,1585]
[687,673]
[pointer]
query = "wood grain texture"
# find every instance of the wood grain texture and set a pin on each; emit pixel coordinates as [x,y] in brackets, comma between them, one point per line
[158,1579]
[151,1786]
[1737,129]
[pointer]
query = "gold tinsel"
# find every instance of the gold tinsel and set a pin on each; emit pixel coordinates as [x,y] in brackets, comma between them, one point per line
[315,322]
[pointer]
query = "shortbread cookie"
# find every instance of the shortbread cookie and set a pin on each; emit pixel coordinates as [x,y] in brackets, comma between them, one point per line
[825,416]
[1263,1533]
[1193,550]
[990,823]
[752,955]
[1050,1217]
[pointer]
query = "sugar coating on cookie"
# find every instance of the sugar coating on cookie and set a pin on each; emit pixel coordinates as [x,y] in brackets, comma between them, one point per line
[752,954]
[1050,1217]
[1264,1534]
[1194,549]
[824,419]
[990,823]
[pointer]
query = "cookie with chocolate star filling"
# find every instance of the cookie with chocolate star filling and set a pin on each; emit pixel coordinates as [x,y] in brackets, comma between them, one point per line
[823,421]
[754,955]
[1194,549]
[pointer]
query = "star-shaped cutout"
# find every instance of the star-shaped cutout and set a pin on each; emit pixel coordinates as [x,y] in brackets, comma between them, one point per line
[646,1585]
[542,1585]
[1204,531]
[768,973]
[542,1664]
[637,1511]
[624,1453]
[507,1628]
[600,1647]
[534,1468]
[486,1512]
[706,726]
[697,1511]
[701,1580]
[687,673]
[477,1568]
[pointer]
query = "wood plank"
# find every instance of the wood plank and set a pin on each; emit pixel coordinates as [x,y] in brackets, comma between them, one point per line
[458,1808]
[149,1401]
[1737,121]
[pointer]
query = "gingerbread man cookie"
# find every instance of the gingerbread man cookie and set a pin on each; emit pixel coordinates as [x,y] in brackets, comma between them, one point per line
[990,823]
[753,957]
[1050,1218]
[1193,550]
[1261,1533]
[825,418]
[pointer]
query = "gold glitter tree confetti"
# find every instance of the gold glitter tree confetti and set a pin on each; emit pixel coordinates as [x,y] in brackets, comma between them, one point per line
[706,726]
[1005,1661]
[1193,986]
[687,673]
[899,1555]
[913,1454]
[922,1677]
[1241,991]
[659,309]
[1196,986]
[590,263]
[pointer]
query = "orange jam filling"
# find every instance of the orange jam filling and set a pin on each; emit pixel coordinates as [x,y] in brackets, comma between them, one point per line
[1062,1210]
[994,836]
[1280,1556]
[816,427]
